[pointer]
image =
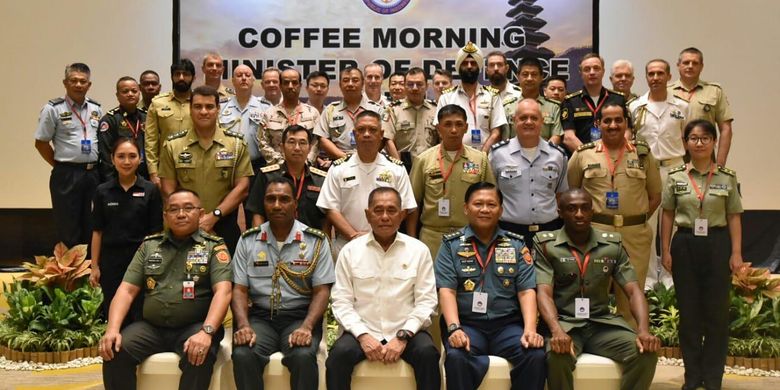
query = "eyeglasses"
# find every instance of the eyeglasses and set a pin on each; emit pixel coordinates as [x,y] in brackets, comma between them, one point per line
[186,209]
[703,140]
[292,143]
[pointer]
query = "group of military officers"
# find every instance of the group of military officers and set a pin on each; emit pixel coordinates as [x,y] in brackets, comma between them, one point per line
[485,157]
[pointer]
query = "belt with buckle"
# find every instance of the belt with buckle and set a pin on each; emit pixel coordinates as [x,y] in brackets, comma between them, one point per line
[86,166]
[672,162]
[618,220]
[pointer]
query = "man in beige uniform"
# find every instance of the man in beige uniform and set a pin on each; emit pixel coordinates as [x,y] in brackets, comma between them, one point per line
[210,161]
[625,184]
[706,100]
[212,72]
[291,111]
[659,119]
[440,177]
[530,74]
[169,113]
[408,123]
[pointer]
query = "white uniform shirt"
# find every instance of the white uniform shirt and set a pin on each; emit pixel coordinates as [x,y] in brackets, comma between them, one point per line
[380,293]
[661,125]
[489,112]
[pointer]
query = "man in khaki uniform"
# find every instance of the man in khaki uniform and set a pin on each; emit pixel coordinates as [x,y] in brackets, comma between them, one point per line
[291,111]
[408,123]
[185,275]
[625,184]
[706,100]
[169,113]
[440,177]
[622,78]
[530,75]
[210,161]
[212,72]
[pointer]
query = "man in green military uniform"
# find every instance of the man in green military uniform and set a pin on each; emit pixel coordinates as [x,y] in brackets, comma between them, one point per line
[575,266]
[168,114]
[530,74]
[210,161]
[706,100]
[185,276]
[440,177]
[625,183]
[288,287]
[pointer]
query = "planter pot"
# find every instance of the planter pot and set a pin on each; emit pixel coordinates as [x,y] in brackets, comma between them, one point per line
[730,361]
[63,356]
[739,361]
[93,351]
[79,353]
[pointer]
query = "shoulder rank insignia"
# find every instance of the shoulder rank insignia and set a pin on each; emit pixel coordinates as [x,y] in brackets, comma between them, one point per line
[177,135]
[251,231]
[93,101]
[270,168]
[510,100]
[113,111]
[395,160]
[318,172]
[727,171]
[642,148]
[573,94]
[677,169]
[556,147]
[611,236]
[544,236]
[396,103]
[214,238]
[341,160]
[316,232]
[56,101]
[589,145]
[448,90]
[514,235]
[232,133]
[153,236]
[617,93]
[492,90]
[453,235]
[714,84]
[500,144]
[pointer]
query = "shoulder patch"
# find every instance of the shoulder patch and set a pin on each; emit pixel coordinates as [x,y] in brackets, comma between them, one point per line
[589,145]
[448,90]
[315,232]
[556,147]
[492,90]
[251,231]
[318,172]
[727,171]
[56,101]
[453,235]
[573,94]
[545,236]
[677,169]
[177,135]
[270,168]
[93,101]
[153,236]
[500,144]
[515,235]
[341,160]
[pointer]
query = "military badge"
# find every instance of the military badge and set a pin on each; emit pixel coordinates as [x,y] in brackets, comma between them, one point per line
[385,176]
[185,157]
[471,168]
[223,256]
[150,283]
[468,285]
[507,283]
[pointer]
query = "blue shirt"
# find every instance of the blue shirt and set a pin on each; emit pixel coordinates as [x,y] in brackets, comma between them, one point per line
[248,120]
[60,124]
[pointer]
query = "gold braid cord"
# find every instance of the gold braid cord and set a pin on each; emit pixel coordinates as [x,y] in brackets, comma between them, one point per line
[289,276]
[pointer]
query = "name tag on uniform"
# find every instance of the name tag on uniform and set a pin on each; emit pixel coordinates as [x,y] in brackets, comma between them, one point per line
[479,303]
[138,194]
[225,155]
[188,289]
[582,307]
[700,227]
[510,172]
[506,256]
[443,205]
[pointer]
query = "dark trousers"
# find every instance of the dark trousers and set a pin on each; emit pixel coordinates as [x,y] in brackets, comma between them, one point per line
[528,236]
[465,370]
[227,228]
[419,353]
[256,165]
[272,336]
[72,188]
[700,269]
[142,339]
[114,260]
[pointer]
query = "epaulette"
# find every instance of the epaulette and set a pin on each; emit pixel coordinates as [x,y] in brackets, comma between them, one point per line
[56,101]
[315,232]
[230,90]
[453,235]
[510,100]
[431,101]
[335,103]
[113,111]
[318,172]
[629,101]
[516,87]
[448,90]
[727,171]
[395,160]
[556,147]
[714,84]
[251,231]
[224,100]
[177,135]
[681,98]
[341,160]
[163,95]
[678,169]
[492,90]
[93,101]
[396,103]
[642,148]
[153,236]
[143,109]
[544,237]
[514,235]
[500,144]
[233,134]
[611,236]
[617,93]
[270,168]
[211,237]
[573,94]
[589,145]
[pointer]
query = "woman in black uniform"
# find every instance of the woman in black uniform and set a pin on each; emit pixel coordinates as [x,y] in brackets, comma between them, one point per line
[125,210]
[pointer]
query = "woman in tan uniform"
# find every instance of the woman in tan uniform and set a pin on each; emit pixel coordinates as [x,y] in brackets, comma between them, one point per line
[702,199]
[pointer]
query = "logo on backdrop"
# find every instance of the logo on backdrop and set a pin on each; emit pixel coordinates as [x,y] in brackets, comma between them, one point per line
[386,7]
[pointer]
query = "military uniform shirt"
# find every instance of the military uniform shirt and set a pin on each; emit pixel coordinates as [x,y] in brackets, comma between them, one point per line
[159,268]
[660,125]
[336,123]
[551,117]
[411,128]
[489,111]
[576,114]
[428,183]
[706,101]
[509,97]
[258,257]
[166,116]
[308,212]
[557,267]
[636,176]
[115,124]
[225,93]
[529,186]
[722,196]
[350,181]
[248,120]
[273,123]
[59,124]
[126,217]
[510,271]
[212,172]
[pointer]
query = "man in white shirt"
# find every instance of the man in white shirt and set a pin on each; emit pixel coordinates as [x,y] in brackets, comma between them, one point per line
[384,296]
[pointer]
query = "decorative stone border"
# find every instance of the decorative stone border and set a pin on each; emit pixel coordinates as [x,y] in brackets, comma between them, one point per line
[48,357]
[32,366]
[735,370]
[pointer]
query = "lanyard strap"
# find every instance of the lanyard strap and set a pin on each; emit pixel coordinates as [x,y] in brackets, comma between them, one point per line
[473,108]
[610,166]
[699,193]
[441,166]
[135,129]
[78,115]
[353,116]
[296,116]
[483,265]
[601,103]
[583,266]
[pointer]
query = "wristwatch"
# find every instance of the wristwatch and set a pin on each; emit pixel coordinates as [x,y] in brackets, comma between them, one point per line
[217,213]
[208,329]
[404,335]
[452,328]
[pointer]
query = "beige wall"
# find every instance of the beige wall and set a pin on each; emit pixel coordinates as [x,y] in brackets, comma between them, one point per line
[41,36]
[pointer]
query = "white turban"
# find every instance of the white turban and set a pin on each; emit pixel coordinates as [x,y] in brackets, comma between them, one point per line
[470,50]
